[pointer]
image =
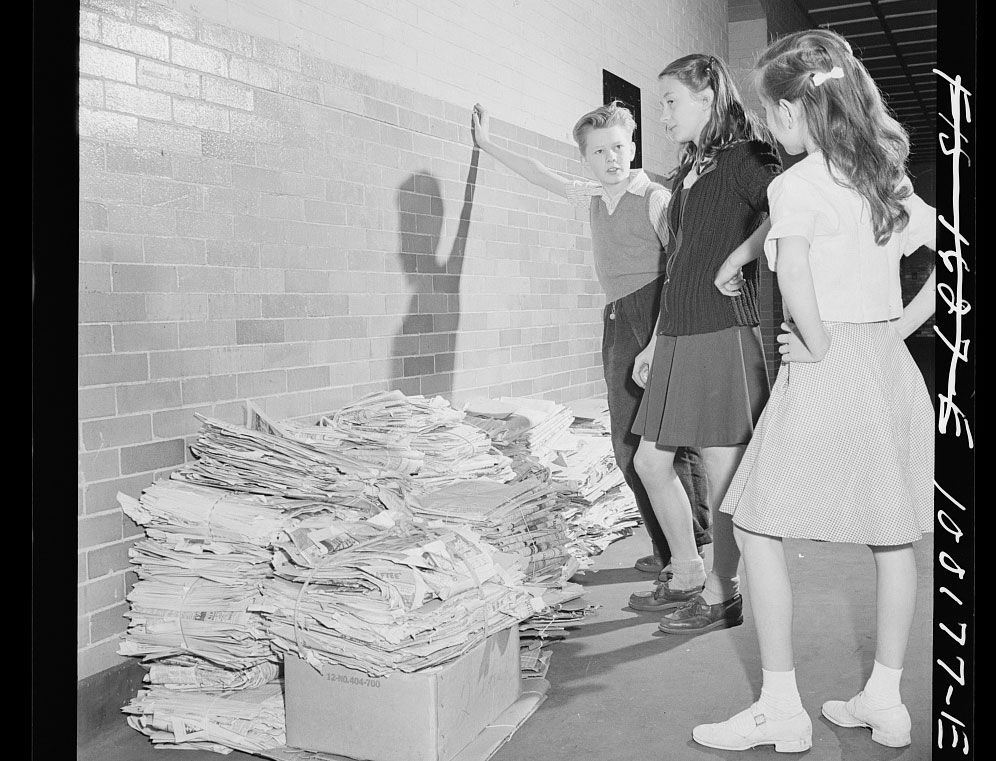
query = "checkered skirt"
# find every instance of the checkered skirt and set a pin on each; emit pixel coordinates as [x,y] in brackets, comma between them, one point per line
[844,450]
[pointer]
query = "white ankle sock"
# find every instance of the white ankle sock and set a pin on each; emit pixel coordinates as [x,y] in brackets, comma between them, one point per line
[687,573]
[779,694]
[882,687]
[719,589]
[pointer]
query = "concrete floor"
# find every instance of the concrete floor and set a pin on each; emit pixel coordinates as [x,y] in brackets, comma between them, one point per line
[622,691]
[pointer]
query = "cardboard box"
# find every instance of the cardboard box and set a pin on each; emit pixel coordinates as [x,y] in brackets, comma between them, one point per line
[426,716]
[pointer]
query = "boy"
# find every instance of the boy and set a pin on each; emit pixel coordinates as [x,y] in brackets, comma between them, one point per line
[629,236]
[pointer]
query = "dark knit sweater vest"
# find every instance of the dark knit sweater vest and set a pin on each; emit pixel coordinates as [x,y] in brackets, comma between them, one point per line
[719,212]
[628,253]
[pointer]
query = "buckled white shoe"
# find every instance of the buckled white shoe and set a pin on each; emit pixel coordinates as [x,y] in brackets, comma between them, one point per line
[751,728]
[889,726]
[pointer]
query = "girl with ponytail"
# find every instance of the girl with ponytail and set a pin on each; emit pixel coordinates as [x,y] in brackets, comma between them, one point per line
[844,449]
[703,372]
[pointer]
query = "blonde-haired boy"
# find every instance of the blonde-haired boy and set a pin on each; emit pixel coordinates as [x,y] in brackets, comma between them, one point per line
[629,238]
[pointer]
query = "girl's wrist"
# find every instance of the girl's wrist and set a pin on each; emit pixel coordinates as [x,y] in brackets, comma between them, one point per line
[821,345]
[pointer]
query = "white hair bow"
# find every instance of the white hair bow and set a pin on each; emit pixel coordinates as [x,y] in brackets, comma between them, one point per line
[819,77]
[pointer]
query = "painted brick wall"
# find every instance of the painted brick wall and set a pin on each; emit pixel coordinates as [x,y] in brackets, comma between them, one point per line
[289,210]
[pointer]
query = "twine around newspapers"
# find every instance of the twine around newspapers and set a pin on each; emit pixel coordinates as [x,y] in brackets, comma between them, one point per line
[178,724]
[309,577]
[179,617]
[192,584]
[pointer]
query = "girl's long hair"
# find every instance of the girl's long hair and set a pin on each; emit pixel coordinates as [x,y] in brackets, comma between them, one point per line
[846,117]
[729,122]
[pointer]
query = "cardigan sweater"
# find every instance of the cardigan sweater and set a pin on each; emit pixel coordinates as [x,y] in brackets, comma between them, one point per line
[711,218]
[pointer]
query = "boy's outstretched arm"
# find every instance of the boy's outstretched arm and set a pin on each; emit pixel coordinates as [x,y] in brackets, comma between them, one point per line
[527,168]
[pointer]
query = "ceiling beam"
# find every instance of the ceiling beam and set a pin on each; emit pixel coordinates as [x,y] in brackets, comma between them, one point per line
[899,56]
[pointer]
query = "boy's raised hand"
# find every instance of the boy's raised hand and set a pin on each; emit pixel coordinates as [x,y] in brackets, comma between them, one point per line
[482,125]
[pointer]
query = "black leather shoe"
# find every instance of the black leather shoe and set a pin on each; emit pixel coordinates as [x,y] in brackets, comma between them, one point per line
[662,597]
[697,617]
[649,564]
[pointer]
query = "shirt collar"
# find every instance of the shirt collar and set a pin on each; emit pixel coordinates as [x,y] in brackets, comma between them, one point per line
[638,185]
[638,182]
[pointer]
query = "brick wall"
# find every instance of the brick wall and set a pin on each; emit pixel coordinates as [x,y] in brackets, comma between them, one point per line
[289,210]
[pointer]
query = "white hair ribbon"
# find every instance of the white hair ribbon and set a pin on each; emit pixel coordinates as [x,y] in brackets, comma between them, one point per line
[819,77]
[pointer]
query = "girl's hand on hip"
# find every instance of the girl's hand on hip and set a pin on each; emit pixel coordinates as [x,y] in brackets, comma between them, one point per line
[642,363]
[729,279]
[794,349]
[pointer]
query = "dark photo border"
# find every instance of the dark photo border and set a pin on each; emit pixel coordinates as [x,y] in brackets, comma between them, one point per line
[953,664]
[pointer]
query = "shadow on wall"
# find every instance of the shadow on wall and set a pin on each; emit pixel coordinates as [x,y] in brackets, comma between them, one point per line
[424,349]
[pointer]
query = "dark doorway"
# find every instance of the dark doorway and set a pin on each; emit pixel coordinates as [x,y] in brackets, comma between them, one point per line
[617,88]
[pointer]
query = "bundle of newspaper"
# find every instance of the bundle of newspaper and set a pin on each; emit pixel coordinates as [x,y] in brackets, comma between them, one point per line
[426,438]
[564,609]
[555,622]
[534,660]
[542,426]
[594,527]
[189,673]
[520,518]
[591,417]
[589,470]
[241,458]
[191,518]
[201,567]
[597,505]
[193,615]
[404,601]
[251,720]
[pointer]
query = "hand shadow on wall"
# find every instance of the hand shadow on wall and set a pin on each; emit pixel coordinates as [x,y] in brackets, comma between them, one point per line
[426,344]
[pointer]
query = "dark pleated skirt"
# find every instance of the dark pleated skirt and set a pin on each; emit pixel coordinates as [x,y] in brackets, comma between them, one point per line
[704,390]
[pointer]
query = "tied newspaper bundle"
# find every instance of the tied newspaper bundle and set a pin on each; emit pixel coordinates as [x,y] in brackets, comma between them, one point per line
[407,600]
[251,720]
[195,608]
[550,625]
[524,428]
[426,438]
[200,577]
[261,459]
[520,518]
[600,508]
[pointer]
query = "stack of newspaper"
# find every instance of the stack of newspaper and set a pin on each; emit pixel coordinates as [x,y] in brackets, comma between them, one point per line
[520,518]
[201,569]
[251,720]
[392,536]
[539,426]
[591,416]
[247,459]
[404,601]
[597,505]
[423,438]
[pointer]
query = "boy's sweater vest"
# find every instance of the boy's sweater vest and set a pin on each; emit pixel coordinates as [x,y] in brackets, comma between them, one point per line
[628,253]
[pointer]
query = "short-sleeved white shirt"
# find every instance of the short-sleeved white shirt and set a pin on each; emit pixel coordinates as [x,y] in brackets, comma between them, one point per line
[856,280]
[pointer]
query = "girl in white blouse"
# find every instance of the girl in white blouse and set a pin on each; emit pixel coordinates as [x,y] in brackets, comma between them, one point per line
[843,451]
